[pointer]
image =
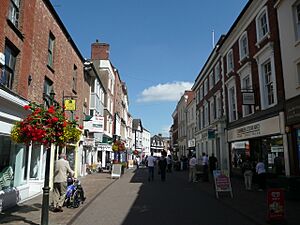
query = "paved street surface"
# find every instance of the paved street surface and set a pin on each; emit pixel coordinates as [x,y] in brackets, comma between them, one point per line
[132,200]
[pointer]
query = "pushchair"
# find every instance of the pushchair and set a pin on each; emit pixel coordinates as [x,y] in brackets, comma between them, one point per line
[74,193]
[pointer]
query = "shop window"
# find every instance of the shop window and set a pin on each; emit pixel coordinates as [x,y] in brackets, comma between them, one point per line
[13,166]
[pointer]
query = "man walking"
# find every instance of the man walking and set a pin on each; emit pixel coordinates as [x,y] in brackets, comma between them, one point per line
[192,169]
[62,169]
[150,163]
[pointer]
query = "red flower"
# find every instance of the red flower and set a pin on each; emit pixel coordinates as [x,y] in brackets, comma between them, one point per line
[54,119]
[65,124]
[51,110]
[81,127]
[76,117]
[26,107]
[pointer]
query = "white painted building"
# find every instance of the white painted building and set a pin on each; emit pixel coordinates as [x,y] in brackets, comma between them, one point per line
[146,142]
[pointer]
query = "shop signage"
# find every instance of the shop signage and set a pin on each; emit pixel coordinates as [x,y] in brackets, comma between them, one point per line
[89,141]
[116,170]
[275,204]
[293,111]
[222,182]
[262,128]
[191,143]
[248,98]
[70,104]
[95,125]
[104,147]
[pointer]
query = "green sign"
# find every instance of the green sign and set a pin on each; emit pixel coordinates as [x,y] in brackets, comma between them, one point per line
[211,134]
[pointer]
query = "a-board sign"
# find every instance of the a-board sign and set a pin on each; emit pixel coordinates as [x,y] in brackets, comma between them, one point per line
[116,170]
[222,182]
[275,204]
[130,163]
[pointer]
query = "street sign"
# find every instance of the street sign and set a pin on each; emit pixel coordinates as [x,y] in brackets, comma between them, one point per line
[222,182]
[275,204]
[70,104]
[116,170]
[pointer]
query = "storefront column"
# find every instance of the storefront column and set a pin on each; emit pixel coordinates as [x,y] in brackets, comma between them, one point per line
[285,143]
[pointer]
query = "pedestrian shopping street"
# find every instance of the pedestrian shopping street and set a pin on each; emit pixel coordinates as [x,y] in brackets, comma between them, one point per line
[132,200]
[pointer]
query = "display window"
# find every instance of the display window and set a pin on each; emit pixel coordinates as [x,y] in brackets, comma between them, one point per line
[13,163]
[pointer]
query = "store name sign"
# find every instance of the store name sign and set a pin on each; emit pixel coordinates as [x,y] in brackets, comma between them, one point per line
[248,131]
[191,143]
[262,128]
[293,114]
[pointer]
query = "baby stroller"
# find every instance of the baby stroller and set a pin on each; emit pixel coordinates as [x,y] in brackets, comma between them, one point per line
[74,193]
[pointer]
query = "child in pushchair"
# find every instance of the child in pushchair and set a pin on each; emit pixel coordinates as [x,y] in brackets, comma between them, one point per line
[74,193]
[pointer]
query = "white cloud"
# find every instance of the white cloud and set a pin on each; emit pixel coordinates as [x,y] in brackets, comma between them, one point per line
[165,92]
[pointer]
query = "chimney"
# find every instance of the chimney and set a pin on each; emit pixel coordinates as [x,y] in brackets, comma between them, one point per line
[100,51]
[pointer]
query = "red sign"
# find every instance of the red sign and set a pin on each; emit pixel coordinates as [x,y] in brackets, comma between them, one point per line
[275,204]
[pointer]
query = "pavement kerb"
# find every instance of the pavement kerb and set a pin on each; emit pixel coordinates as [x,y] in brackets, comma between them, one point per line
[73,218]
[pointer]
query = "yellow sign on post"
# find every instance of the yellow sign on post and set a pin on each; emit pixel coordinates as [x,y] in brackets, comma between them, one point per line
[70,104]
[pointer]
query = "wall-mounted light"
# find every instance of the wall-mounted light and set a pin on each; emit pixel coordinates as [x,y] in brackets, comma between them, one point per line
[29,79]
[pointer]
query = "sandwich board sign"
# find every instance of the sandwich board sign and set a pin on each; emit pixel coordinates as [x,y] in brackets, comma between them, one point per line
[116,170]
[222,182]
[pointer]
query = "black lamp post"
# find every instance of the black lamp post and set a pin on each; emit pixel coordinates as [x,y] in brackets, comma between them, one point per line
[49,100]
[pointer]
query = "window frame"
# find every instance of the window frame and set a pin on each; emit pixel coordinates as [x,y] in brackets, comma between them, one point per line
[74,79]
[217,72]
[229,62]
[206,88]
[296,18]
[211,80]
[259,36]
[269,83]
[247,109]
[14,12]
[243,54]
[51,46]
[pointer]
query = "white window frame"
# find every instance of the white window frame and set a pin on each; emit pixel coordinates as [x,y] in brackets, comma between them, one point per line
[206,114]
[201,91]
[296,16]
[211,80]
[244,50]
[230,61]
[232,103]
[247,109]
[217,72]
[259,36]
[212,109]
[202,117]
[205,87]
[14,11]
[218,106]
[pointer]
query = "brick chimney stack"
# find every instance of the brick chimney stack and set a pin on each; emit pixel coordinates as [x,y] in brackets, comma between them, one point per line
[100,51]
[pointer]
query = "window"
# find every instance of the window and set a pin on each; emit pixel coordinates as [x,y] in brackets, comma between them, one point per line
[230,61]
[74,79]
[212,109]
[218,106]
[298,73]
[262,26]
[201,92]
[205,87]
[48,86]
[217,72]
[8,72]
[13,12]
[243,44]
[206,115]
[246,85]
[202,117]
[211,80]
[268,83]
[297,20]
[232,104]
[50,50]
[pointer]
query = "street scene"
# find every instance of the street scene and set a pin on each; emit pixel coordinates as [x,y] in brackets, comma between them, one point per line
[150,112]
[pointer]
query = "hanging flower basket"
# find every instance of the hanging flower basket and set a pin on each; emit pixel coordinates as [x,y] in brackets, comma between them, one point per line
[118,146]
[45,126]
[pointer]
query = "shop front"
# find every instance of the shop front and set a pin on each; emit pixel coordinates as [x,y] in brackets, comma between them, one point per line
[293,130]
[105,153]
[265,140]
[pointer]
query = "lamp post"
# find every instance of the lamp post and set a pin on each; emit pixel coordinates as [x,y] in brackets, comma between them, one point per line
[46,189]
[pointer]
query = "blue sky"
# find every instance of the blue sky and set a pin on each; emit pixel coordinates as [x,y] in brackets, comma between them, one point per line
[158,46]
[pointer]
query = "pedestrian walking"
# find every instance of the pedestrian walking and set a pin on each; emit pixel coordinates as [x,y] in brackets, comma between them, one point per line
[261,172]
[205,166]
[248,174]
[213,163]
[170,163]
[192,169]
[162,164]
[61,172]
[151,163]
